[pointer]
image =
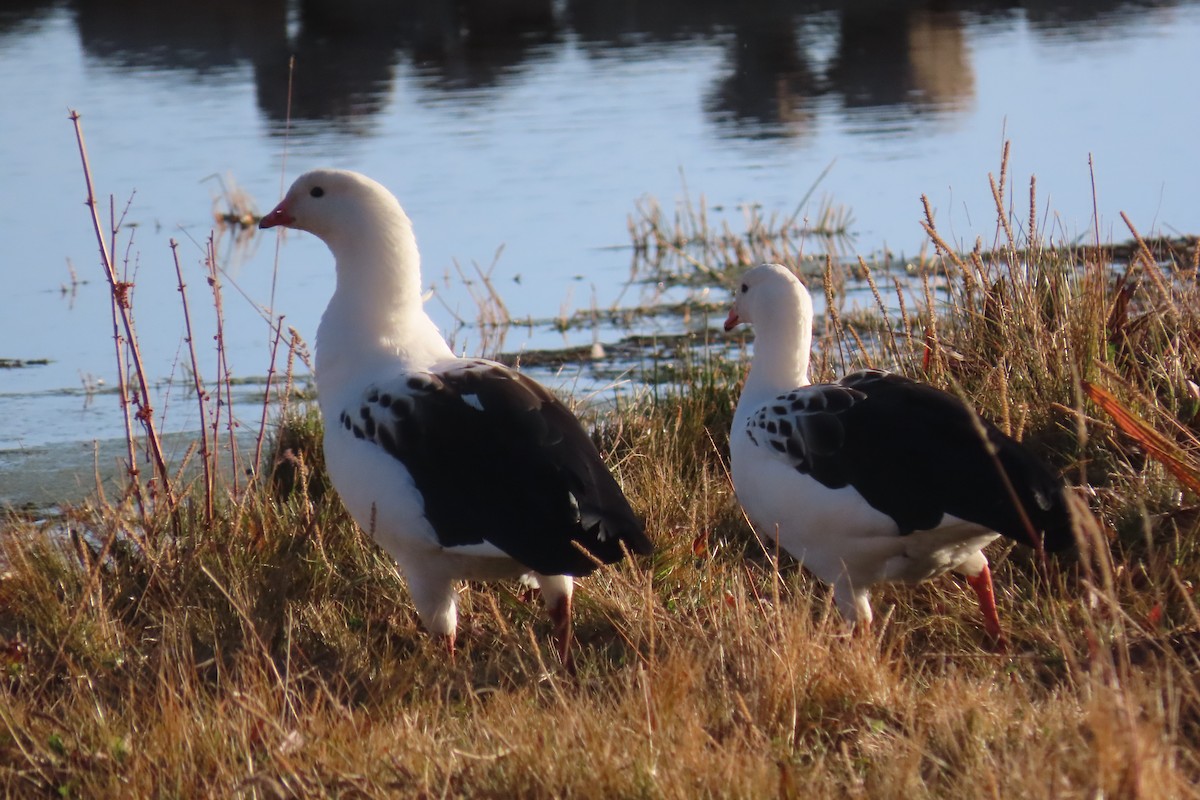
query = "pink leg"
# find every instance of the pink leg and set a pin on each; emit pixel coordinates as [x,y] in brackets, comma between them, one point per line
[560,616]
[448,641]
[982,584]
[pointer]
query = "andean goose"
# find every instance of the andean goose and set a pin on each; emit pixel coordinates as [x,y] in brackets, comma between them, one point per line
[875,478]
[461,468]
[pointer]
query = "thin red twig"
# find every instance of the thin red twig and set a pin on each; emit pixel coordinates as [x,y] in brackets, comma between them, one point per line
[206,453]
[122,310]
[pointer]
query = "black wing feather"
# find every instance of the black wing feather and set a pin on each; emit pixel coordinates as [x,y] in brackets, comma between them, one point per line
[497,458]
[916,453]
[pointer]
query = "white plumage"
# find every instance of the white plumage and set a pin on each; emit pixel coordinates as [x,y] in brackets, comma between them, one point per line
[875,478]
[460,468]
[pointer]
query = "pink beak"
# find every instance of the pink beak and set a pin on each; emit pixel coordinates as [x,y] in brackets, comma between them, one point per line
[732,320]
[278,216]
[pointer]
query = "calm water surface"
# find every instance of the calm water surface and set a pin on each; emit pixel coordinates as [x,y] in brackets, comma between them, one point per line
[534,127]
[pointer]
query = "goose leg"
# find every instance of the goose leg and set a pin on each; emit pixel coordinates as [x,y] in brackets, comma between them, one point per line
[981,582]
[854,603]
[556,591]
[437,604]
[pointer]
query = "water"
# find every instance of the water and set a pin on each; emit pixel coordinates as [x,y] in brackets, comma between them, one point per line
[534,127]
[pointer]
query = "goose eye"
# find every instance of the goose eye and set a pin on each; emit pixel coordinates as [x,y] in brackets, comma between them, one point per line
[745,288]
[317,191]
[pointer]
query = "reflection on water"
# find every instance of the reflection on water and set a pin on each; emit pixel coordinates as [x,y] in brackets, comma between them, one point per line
[202,38]
[780,57]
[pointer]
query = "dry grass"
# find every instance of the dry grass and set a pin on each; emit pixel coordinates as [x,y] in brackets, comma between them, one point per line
[264,648]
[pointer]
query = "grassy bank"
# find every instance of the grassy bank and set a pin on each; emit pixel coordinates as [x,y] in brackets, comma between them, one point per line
[209,637]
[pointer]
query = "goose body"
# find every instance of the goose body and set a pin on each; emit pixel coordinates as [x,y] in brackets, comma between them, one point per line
[875,478]
[460,468]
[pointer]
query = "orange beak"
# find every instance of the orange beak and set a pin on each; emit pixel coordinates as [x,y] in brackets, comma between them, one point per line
[278,216]
[732,320]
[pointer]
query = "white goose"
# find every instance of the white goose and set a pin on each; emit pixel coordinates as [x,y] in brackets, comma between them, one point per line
[875,478]
[460,468]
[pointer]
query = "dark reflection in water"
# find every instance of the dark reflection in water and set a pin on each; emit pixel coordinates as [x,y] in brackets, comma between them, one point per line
[899,59]
[347,52]
[17,16]
[205,37]
[769,80]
